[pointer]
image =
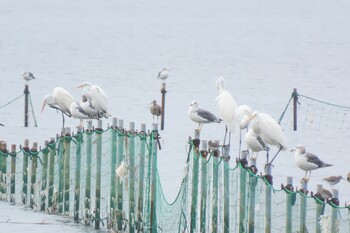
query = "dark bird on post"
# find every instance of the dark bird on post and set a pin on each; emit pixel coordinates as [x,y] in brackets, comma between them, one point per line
[155,110]
[27,76]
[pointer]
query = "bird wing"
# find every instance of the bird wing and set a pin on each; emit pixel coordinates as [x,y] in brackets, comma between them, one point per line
[314,159]
[99,100]
[207,115]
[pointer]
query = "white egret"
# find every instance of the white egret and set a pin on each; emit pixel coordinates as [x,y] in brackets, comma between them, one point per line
[201,116]
[97,97]
[254,143]
[60,99]
[155,110]
[269,131]
[163,74]
[307,161]
[242,116]
[27,76]
[78,113]
[333,180]
[227,107]
[86,105]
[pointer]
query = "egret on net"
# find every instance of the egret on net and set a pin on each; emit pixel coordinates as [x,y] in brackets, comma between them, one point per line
[61,100]
[97,97]
[201,116]
[269,131]
[227,107]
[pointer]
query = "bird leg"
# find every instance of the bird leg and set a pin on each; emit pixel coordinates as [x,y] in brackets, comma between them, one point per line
[240,142]
[276,154]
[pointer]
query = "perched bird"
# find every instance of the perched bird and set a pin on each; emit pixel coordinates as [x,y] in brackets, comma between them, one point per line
[242,116]
[269,131]
[27,76]
[97,97]
[307,161]
[201,116]
[163,74]
[78,113]
[227,107]
[348,178]
[61,100]
[155,110]
[86,105]
[254,143]
[333,180]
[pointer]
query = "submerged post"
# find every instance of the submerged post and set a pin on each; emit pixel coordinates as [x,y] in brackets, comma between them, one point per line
[163,91]
[26,95]
[131,175]
[194,195]
[98,133]
[13,173]
[289,204]
[295,109]
[204,186]
[153,214]
[142,156]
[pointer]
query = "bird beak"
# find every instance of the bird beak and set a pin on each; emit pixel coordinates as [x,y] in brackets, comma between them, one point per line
[251,118]
[81,85]
[293,150]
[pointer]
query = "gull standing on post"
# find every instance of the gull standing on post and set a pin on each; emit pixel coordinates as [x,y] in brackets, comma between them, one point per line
[27,76]
[97,97]
[269,131]
[155,110]
[201,116]
[307,161]
[227,107]
[163,74]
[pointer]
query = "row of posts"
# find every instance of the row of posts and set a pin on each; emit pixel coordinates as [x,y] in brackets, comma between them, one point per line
[58,200]
[247,188]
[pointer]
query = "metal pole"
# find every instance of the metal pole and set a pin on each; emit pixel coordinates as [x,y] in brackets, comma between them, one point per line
[163,91]
[13,173]
[26,94]
[295,109]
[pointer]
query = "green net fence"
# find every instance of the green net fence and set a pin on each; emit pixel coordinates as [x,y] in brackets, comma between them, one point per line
[109,179]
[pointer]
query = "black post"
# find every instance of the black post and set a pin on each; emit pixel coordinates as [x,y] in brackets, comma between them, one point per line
[295,109]
[26,94]
[163,91]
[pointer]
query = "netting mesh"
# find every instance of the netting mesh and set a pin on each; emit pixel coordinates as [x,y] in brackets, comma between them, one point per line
[110,179]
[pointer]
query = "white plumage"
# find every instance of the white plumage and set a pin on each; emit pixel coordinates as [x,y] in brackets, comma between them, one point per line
[201,116]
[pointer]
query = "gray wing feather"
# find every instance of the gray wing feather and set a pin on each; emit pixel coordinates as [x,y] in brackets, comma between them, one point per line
[207,115]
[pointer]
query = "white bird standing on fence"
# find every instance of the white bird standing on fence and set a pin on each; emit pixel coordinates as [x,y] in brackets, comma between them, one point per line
[227,107]
[242,116]
[27,76]
[97,97]
[60,99]
[269,131]
[78,113]
[155,110]
[201,116]
[163,74]
[307,161]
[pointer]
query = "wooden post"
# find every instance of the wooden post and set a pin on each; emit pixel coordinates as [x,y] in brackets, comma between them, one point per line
[243,193]
[45,154]
[66,168]
[204,186]
[13,173]
[98,174]
[34,156]
[194,195]
[120,155]
[3,169]
[226,192]
[142,165]
[253,180]
[163,91]
[319,208]
[25,171]
[214,217]
[79,139]
[112,199]
[88,172]
[153,214]
[52,155]
[303,205]
[295,109]
[61,172]
[131,176]
[268,200]
[289,205]
[335,211]
[26,95]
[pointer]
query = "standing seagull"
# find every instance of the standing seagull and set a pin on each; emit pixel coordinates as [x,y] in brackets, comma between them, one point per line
[97,97]
[333,180]
[27,76]
[60,99]
[201,116]
[307,161]
[227,107]
[155,109]
[269,131]
[163,74]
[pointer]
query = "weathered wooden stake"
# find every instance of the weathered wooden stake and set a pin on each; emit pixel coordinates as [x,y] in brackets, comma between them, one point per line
[253,180]
[88,173]
[303,205]
[289,205]
[153,214]
[120,155]
[98,175]
[25,171]
[3,169]
[243,193]
[66,168]
[226,192]
[319,208]
[204,185]
[141,177]
[131,176]
[214,217]
[79,140]
[34,156]
[112,199]
[26,95]
[52,155]
[195,170]
[335,211]
[13,173]
[45,154]
[268,201]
